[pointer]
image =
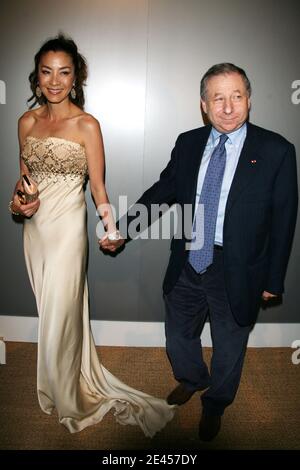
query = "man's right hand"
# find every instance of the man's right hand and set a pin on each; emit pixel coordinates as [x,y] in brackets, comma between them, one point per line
[110,245]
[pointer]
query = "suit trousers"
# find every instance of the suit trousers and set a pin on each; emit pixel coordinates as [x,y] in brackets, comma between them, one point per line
[194,298]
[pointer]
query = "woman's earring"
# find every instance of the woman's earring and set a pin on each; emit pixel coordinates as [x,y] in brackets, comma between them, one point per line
[73,92]
[38,92]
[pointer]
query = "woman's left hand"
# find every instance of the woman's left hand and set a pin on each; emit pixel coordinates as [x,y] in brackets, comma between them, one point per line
[110,245]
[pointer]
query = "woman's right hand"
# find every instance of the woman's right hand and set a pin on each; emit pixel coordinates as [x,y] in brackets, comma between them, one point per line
[26,210]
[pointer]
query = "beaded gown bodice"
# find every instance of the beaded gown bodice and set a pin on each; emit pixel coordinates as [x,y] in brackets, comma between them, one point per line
[54,157]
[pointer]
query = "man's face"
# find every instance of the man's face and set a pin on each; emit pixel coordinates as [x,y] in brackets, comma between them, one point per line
[226,102]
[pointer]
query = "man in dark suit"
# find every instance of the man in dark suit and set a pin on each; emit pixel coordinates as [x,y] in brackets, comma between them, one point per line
[242,182]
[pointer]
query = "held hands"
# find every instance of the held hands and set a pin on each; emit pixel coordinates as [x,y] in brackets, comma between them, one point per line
[111,242]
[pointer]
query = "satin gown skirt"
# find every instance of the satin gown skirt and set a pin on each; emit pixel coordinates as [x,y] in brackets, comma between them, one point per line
[70,377]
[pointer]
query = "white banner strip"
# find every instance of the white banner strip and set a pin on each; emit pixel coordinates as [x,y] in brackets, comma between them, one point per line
[147,334]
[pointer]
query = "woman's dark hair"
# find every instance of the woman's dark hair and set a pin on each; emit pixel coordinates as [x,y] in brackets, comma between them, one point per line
[60,44]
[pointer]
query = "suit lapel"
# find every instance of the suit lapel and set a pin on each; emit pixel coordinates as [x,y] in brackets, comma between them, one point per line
[247,167]
[195,157]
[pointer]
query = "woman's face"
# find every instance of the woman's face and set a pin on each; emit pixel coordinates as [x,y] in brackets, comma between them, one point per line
[56,76]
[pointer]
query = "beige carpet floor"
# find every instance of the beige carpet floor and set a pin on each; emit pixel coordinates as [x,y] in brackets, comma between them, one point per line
[264,415]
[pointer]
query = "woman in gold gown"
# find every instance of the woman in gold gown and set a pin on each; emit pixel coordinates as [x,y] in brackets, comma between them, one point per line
[60,145]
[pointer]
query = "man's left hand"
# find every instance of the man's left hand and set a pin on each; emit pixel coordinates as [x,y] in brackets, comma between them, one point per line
[267,296]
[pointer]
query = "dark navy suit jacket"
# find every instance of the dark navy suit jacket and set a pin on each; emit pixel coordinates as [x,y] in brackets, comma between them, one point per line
[260,214]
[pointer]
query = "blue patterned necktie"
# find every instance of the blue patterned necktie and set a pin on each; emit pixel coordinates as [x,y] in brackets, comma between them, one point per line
[201,258]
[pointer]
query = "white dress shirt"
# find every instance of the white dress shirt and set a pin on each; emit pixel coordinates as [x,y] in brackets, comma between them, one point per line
[233,146]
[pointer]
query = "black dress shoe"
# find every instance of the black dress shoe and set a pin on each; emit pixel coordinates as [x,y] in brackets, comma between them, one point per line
[180,395]
[209,427]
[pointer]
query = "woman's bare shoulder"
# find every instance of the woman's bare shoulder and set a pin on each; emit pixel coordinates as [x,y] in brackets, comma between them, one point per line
[88,121]
[89,127]
[26,123]
[29,118]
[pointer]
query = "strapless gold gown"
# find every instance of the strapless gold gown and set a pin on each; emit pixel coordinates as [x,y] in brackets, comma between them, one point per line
[69,374]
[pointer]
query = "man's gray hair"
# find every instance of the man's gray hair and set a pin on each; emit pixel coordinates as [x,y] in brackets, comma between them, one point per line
[221,69]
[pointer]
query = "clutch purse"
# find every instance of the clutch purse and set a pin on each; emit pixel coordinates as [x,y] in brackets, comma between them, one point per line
[30,188]
[21,196]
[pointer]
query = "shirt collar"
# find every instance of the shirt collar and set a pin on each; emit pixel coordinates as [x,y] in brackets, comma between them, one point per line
[234,137]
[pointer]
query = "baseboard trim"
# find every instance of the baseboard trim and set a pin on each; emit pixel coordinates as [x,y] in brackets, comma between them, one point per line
[147,334]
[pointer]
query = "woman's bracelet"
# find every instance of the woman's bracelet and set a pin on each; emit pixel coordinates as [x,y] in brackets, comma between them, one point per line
[11,209]
[114,235]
